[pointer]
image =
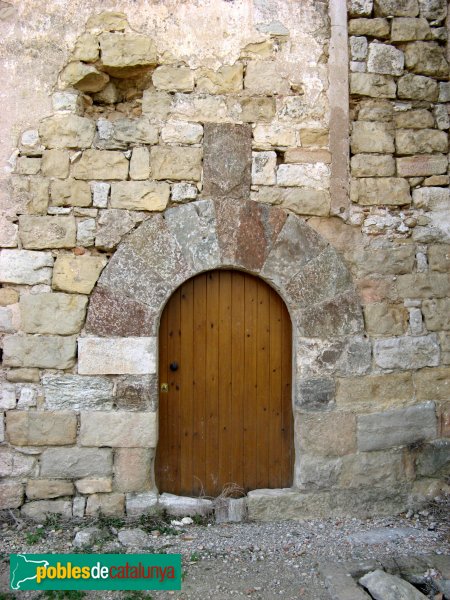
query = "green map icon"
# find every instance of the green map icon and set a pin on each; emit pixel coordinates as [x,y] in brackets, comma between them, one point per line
[23,569]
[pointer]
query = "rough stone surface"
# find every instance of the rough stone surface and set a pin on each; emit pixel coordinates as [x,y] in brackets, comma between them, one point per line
[54,313]
[372,84]
[385,59]
[70,192]
[265,79]
[76,462]
[396,8]
[370,136]
[414,119]
[67,131]
[437,314]
[173,79]
[35,428]
[101,164]
[407,352]
[377,469]
[137,393]
[141,503]
[373,392]
[434,459]
[94,485]
[46,352]
[38,489]
[176,163]
[421,141]
[225,80]
[426,58]
[315,393]
[182,506]
[405,29]
[126,55]
[77,274]
[102,356]
[132,469]
[392,191]
[83,77]
[382,319]
[313,175]
[397,427]
[40,509]
[109,505]
[389,587]
[74,392]
[113,224]
[424,164]
[180,132]
[119,429]
[140,195]
[326,434]
[377,27]
[38,233]
[134,538]
[263,168]
[87,537]
[417,87]
[366,165]
[25,267]
[11,495]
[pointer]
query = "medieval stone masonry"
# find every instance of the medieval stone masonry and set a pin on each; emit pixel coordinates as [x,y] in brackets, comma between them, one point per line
[302,142]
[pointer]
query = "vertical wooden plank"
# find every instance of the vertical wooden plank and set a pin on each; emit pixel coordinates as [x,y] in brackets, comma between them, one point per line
[225,379]
[275,407]
[238,397]
[287,433]
[249,400]
[263,376]
[173,414]
[186,385]
[212,383]
[162,463]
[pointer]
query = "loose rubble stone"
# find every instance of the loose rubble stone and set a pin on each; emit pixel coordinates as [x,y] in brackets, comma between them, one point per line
[40,509]
[77,274]
[38,233]
[126,55]
[101,164]
[396,8]
[134,538]
[119,429]
[141,503]
[378,27]
[171,162]
[397,427]
[53,313]
[46,352]
[76,462]
[407,352]
[405,29]
[35,428]
[74,392]
[140,195]
[38,489]
[83,77]
[375,191]
[109,505]
[417,87]
[421,141]
[426,58]
[372,84]
[87,537]
[173,79]
[70,192]
[389,587]
[385,59]
[223,81]
[368,136]
[103,356]
[182,506]
[67,131]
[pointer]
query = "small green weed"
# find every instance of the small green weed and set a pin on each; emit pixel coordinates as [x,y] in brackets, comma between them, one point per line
[136,595]
[52,521]
[33,537]
[105,522]
[195,557]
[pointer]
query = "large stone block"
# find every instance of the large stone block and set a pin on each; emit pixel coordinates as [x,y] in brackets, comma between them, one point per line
[25,267]
[421,165]
[127,54]
[301,200]
[317,472]
[434,459]
[38,489]
[426,58]
[437,314]
[439,257]
[72,463]
[112,225]
[140,195]
[405,29]
[53,313]
[83,77]
[38,233]
[384,319]
[407,352]
[180,132]
[173,79]
[423,285]
[67,131]
[375,392]
[398,427]
[11,495]
[326,434]
[133,131]
[40,509]
[115,356]
[30,195]
[101,164]
[414,119]
[109,505]
[307,175]
[434,10]
[266,78]
[392,191]
[55,163]
[393,260]
[175,163]
[424,141]
[70,192]
[367,165]
[225,80]
[75,392]
[119,429]
[417,87]
[370,136]
[432,384]
[385,59]
[372,469]
[77,274]
[374,27]
[227,160]
[133,469]
[372,84]
[181,506]
[41,428]
[396,8]
[275,134]
[46,352]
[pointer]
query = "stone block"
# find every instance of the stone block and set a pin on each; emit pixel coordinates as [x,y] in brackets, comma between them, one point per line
[183,192]
[317,472]
[301,200]
[94,485]
[86,229]
[432,198]
[182,506]
[275,134]
[8,296]
[386,320]
[179,132]
[86,48]
[230,510]
[433,459]
[313,175]
[360,8]
[70,192]
[317,393]
[7,397]
[385,59]
[300,155]
[394,8]
[83,77]
[426,58]
[108,505]
[139,165]
[46,352]
[394,260]
[414,119]
[16,464]
[11,495]
[423,285]
[372,84]
[367,165]
[112,225]
[265,78]
[101,164]
[134,131]
[392,191]
[127,54]
[434,10]
[75,462]
[405,29]
[417,87]
[439,257]
[9,318]
[407,352]
[397,427]
[38,233]
[77,274]
[141,503]
[358,47]
[339,316]
[27,166]
[41,428]
[67,131]
[375,392]
[227,160]
[171,162]
[115,356]
[372,469]
[375,27]
[100,189]
[424,141]
[38,489]
[444,91]
[25,267]
[326,434]
[437,314]
[140,195]
[52,313]
[30,195]
[119,429]
[156,105]
[75,392]
[441,115]
[422,165]
[23,376]
[203,108]
[432,384]
[370,136]
[137,393]
[40,509]
[226,80]
[254,110]
[133,469]
[173,79]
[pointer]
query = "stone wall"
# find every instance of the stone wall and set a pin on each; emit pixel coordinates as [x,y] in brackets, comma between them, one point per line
[159,162]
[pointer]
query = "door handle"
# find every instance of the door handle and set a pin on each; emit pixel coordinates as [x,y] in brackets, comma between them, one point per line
[173,366]
[164,387]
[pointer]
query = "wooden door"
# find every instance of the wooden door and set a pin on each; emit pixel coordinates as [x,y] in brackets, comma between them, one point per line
[226,417]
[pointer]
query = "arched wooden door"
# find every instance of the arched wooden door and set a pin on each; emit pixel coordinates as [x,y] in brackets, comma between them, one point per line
[225,413]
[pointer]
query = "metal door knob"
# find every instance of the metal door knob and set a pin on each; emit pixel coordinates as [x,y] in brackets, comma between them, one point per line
[173,366]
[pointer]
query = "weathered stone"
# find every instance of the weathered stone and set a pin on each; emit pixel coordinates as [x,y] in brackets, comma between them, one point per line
[53,313]
[15,464]
[119,429]
[227,160]
[414,119]
[77,274]
[385,59]
[203,108]
[27,397]
[127,55]
[140,195]
[302,200]
[156,105]
[180,132]
[389,587]
[40,509]
[30,195]
[182,506]
[397,427]
[78,507]
[73,392]
[405,29]
[421,141]
[358,47]
[417,87]
[372,84]
[367,165]
[314,175]
[28,166]
[300,155]
[275,134]
[67,131]
[432,384]
[86,48]
[46,352]
[350,356]
[444,91]
[392,191]
[375,392]
[141,503]
[441,115]
[437,314]
[87,537]
[173,79]
[100,190]
[183,192]
[439,257]
[107,21]
[67,101]
[255,109]
[36,428]
[225,80]
[170,162]
[7,397]
[434,459]
[86,229]
[132,469]
[315,393]
[357,8]
[416,166]
[109,505]
[230,510]
[101,164]
[94,485]
[378,28]
[134,538]
[317,472]
[9,318]
[266,79]
[70,192]
[83,77]
[426,58]
[137,393]
[369,136]
[423,285]
[103,356]
[76,462]
[108,95]
[38,489]
[8,233]
[437,180]
[407,352]
[434,10]
[396,8]
[11,495]
[47,232]
[8,296]
[393,260]
[22,376]
[377,469]
[122,132]
[326,434]
[383,319]
[113,224]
